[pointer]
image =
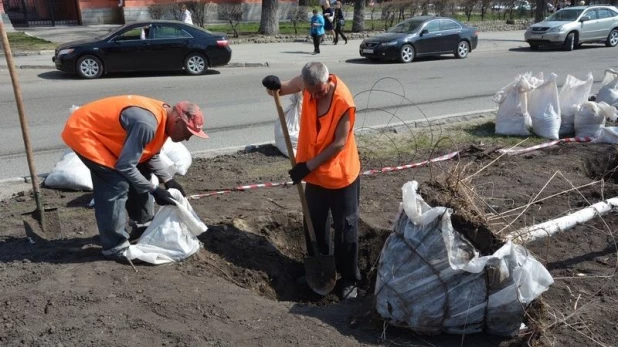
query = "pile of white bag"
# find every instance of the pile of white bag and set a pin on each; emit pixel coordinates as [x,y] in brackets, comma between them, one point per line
[532,104]
[432,280]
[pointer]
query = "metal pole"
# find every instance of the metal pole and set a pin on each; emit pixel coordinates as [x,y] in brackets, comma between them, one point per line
[24,125]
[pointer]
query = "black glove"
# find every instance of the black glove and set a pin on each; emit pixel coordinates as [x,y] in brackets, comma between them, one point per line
[271,82]
[173,184]
[163,197]
[298,172]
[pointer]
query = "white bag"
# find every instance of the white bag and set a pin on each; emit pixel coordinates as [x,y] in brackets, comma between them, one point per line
[572,94]
[292,120]
[513,117]
[69,173]
[544,108]
[178,154]
[589,121]
[609,88]
[430,279]
[171,236]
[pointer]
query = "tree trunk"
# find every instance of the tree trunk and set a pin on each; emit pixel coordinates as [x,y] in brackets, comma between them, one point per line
[269,23]
[358,23]
[539,12]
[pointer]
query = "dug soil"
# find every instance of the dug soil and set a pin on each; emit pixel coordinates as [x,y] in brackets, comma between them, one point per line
[241,289]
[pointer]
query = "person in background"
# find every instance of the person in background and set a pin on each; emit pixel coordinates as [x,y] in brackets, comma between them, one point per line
[119,139]
[317,30]
[329,18]
[327,160]
[186,15]
[339,23]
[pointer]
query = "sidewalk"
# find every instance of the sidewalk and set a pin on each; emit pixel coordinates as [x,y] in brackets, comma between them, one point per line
[244,54]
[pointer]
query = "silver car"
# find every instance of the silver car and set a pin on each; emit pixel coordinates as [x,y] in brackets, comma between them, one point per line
[572,26]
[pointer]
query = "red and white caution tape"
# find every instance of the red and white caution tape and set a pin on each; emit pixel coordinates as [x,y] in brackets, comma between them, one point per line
[365,173]
[544,145]
[410,166]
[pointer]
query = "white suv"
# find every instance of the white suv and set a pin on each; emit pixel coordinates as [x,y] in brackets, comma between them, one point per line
[572,26]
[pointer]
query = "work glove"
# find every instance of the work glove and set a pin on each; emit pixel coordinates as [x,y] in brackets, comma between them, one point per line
[173,184]
[163,197]
[271,82]
[298,172]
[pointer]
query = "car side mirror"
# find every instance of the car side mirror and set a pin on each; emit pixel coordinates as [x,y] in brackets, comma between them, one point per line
[584,19]
[424,31]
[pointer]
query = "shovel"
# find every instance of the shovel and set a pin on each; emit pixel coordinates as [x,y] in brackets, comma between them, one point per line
[320,270]
[48,219]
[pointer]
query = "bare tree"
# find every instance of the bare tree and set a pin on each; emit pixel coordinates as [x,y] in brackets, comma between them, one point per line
[388,14]
[468,7]
[358,22]
[232,13]
[485,5]
[209,9]
[157,11]
[197,11]
[269,22]
[372,11]
[299,15]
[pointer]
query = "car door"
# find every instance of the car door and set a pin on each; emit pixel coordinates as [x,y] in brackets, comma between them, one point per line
[589,28]
[126,51]
[430,38]
[607,21]
[451,32]
[169,46]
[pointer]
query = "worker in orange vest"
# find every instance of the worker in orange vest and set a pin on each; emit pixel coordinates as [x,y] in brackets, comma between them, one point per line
[327,160]
[119,139]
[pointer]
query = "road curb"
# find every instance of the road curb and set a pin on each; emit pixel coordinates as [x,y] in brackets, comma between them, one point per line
[11,186]
[228,66]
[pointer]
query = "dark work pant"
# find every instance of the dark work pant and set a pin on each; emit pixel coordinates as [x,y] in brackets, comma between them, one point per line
[339,31]
[343,207]
[113,198]
[316,43]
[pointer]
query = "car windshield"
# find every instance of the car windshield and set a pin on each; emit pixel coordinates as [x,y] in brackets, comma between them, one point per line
[566,15]
[406,27]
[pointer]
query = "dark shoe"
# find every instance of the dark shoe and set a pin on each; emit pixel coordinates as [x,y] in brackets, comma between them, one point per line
[117,257]
[349,292]
[334,43]
[346,41]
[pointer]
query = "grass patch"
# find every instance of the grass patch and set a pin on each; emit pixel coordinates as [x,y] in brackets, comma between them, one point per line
[19,41]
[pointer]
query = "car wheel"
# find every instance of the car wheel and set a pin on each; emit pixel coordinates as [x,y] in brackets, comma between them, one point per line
[406,54]
[463,48]
[195,64]
[569,43]
[89,67]
[534,47]
[612,38]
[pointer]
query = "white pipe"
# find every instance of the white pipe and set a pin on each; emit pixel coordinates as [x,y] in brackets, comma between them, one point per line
[553,226]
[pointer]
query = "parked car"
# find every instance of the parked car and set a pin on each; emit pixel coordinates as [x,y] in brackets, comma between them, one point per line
[421,36]
[156,45]
[572,26]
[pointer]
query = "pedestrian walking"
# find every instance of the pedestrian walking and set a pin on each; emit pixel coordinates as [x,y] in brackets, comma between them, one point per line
[186,15]
[329,18]
[317,30]
[339,23]
[327,160]
[119,139]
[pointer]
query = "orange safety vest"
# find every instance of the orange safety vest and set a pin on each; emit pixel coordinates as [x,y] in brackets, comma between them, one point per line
[94,130]
[343,168]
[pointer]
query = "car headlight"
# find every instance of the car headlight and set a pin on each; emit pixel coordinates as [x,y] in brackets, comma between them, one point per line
[555,29]
[66,51]
[388,44]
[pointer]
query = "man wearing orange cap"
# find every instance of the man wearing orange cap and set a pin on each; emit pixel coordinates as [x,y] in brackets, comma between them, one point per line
[119,139]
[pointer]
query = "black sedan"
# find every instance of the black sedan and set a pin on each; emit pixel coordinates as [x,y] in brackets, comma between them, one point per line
[421,36]
[156,45]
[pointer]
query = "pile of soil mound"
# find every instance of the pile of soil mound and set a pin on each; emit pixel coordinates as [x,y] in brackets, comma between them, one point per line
[603,166]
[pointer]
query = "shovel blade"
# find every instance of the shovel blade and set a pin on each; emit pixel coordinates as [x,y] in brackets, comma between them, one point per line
[321,273]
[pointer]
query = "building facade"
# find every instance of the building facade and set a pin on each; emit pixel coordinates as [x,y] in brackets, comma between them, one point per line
[24,13]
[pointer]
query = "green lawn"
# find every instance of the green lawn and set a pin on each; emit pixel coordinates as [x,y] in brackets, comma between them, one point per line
[22,42]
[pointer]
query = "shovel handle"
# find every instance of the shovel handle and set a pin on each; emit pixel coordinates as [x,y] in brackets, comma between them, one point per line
[301,191]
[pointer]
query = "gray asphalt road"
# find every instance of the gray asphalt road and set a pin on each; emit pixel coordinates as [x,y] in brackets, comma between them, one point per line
[239,113]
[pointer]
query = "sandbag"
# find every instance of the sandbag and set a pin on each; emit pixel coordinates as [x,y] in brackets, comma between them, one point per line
[178,154]
[292,120]
[588,120]
[171,236]
[608,92]
[544,108]
[69,173]
[513,117]
[430,279]
[572,94]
